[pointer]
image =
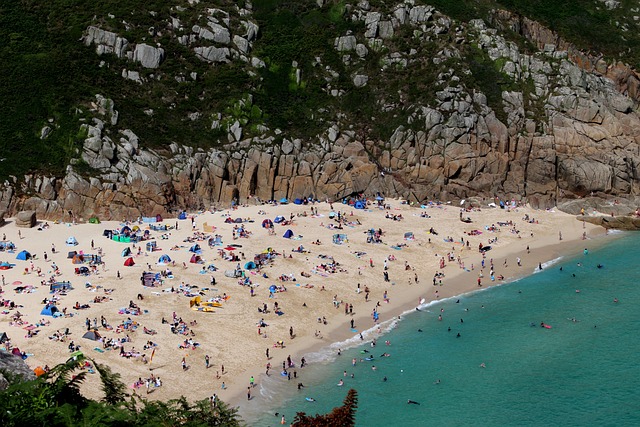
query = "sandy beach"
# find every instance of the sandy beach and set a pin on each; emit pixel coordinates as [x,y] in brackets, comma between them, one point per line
[320,281]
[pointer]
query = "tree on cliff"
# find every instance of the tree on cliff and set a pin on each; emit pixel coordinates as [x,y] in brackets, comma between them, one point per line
[344,415]
[55,399]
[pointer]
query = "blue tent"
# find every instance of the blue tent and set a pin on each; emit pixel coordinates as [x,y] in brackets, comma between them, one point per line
[250,265]
[183,215]
[24,255]
[359,205]
[126,251]
[195,249]
[71,241]
[278,219]
[297,201]
[49,310]
[164,259]
[288,234]
[284,201]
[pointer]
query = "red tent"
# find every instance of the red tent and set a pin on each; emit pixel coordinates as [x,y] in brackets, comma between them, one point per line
[195,259]
[129,262]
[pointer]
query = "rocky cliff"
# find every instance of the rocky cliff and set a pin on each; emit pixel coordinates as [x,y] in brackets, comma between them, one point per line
[467,110]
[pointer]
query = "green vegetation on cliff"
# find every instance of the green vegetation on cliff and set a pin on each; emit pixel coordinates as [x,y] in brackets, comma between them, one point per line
[49,77]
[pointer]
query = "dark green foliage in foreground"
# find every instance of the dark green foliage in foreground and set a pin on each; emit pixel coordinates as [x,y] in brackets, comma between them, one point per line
[55,400]
[344,416]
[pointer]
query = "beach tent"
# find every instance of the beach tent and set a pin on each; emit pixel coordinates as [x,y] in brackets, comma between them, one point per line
[129,262]
[339,239]
[183,215]
[288,234]
[77,259]
[195,259]
[238,220]
[49,310]
[250,265]
[5,265]
[195,301]
[38,371]
[267,223]
[164,259]
[151,246]
[332,214]
[126,230]
[360,205]
[158,218]
[60,286]
[284,201]
[71,254]
[23,255]
[92,335]
[94,220]
[408,235]
[195,249]
[71,241]
[297,201]
[107,233]
[126,251]
[3,337]
[278,219]
[16,352]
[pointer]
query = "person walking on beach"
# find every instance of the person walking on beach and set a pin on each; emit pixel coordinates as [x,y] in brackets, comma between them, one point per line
[207,359]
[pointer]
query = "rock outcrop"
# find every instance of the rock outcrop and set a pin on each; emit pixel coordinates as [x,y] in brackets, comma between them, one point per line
[629,223]
[13,365]
[566,127]
[26,219]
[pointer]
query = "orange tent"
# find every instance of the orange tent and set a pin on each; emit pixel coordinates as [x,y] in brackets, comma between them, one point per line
[39,371]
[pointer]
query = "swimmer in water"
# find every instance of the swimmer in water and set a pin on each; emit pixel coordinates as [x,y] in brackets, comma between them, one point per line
[436,382]
[340,383]
[384,379]
[482,365]
[615,300]
[419,330]
[412,402]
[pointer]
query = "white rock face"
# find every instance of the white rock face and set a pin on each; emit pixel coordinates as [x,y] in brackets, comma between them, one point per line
[241,43]
[106,41]
[212,54]
[220,34]
[360,80]
[148,56]
[345,43]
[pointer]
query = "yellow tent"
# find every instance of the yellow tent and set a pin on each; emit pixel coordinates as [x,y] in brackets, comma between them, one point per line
[194,301]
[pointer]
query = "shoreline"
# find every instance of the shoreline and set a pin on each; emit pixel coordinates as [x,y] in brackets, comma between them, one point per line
[229,335]
[458,284]
[574,250]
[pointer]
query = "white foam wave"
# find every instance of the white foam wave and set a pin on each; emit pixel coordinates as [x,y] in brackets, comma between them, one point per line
[547,264]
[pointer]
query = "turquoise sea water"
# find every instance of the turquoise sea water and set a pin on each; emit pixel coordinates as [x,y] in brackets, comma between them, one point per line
[580,373]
